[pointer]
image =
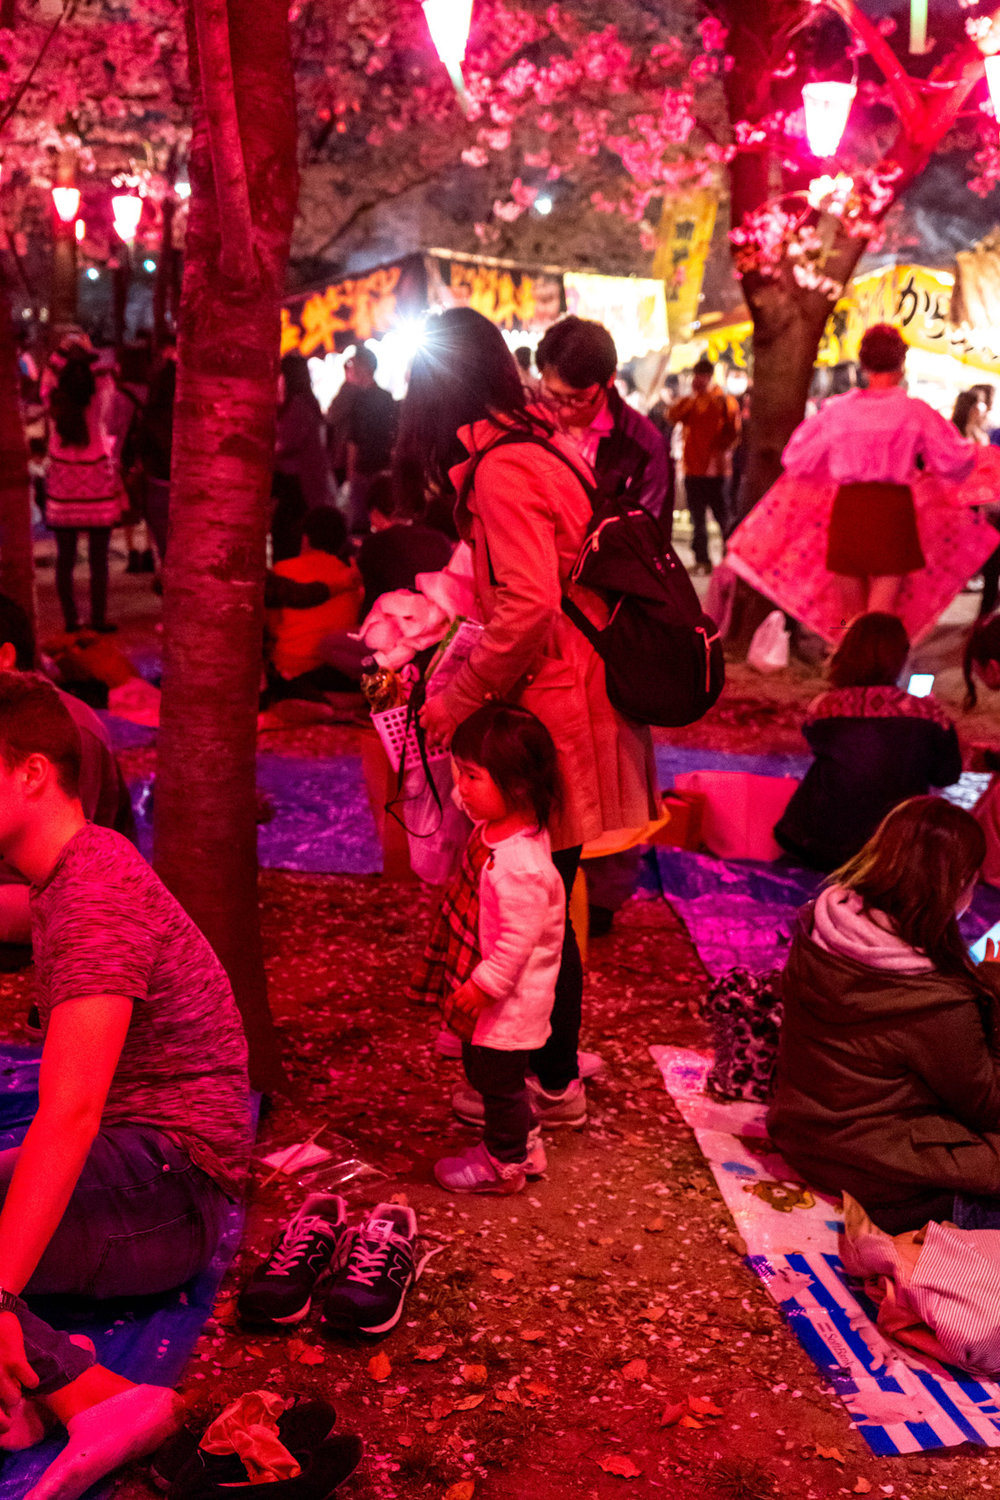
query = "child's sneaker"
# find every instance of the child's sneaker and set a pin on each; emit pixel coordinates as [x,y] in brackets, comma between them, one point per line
[477,1171]
[280,1290]
[536,1162]
[368,1292]
[566,1108]
[448,1043]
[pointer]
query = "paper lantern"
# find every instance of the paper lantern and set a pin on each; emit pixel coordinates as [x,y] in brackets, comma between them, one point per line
[449,22]
[127,209]
[827,107]
[66,202]
[992,65]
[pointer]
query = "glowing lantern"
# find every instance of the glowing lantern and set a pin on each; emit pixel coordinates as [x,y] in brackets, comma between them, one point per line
[66,202]
[127,209]
[449,22]
[918,26]
[827,107]
[81,230]
[992,65]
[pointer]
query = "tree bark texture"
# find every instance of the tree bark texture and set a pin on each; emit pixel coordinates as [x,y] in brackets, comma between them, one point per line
[17,565]
[205,838]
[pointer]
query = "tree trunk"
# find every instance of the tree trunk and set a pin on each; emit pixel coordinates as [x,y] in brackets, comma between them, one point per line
[17,563]
[164,273]
[205,817]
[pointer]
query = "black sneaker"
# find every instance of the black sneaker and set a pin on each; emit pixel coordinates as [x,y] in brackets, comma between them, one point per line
[368,1292]
[281,1289]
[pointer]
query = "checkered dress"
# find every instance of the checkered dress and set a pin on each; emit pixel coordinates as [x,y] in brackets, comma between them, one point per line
[452,950]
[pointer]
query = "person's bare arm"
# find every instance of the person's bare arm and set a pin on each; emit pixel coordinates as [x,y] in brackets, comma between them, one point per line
[82,1047]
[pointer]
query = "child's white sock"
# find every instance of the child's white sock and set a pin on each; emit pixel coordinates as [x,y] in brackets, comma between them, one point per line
[102,1438]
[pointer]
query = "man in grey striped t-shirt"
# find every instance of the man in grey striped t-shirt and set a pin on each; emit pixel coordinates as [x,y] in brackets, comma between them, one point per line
[126,1176]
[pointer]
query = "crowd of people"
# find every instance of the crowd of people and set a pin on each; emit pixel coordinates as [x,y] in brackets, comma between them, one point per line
[887,1084]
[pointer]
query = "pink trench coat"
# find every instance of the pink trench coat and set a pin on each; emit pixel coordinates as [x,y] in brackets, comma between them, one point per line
[525,519]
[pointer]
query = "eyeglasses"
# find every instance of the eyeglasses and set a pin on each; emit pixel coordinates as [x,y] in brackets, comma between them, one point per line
[569,400]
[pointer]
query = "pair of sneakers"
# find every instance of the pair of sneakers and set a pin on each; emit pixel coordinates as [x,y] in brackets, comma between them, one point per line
[366,1269]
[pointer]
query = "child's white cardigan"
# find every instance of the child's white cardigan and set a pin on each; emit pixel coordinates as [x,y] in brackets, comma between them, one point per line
[522,918]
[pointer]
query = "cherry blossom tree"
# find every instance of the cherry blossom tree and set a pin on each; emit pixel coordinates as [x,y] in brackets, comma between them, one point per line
[242,207]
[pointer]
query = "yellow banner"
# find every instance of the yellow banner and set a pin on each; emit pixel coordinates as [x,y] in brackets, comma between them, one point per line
[684,241]
[914,299]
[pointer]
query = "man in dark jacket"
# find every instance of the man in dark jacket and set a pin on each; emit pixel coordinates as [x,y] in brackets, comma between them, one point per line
[578,362]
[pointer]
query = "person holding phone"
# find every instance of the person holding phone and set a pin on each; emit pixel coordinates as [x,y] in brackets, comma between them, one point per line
[874,746]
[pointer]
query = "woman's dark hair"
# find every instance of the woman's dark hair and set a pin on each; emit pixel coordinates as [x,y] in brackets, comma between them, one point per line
[883,349]
[517,750]
[965,404]
[872,653]
[981,646]
[581,352]
[325,529]
[463,373]
[915,867]
[71,395]
[296,376]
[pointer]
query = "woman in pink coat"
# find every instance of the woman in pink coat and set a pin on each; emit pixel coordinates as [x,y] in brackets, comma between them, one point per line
[525,511]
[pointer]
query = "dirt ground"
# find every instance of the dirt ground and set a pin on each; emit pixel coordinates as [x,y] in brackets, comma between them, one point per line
[597,1336]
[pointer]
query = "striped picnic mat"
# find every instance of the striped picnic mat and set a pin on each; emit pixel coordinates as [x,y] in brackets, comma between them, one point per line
[900,1402]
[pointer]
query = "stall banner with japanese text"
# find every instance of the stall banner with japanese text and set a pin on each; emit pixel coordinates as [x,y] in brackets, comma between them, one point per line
[511,298]
[632,308]
[325,319]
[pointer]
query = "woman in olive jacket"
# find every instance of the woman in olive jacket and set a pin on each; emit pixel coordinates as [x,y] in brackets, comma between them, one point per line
[888,1078]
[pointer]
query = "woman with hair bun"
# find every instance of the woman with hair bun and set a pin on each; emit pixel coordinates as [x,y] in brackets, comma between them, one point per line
[869,443]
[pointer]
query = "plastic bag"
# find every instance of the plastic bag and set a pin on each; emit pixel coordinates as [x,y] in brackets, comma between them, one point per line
[769,645]
[436,829]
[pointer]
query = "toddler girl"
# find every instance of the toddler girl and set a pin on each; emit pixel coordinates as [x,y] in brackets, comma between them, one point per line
[496,947]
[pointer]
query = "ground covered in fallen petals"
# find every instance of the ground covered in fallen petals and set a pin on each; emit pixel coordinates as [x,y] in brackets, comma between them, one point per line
[597,1336]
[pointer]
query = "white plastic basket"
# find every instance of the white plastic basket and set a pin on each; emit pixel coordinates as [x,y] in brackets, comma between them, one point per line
[391,729]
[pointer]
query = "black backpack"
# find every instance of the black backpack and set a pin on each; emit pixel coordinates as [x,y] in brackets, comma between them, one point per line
[662,654]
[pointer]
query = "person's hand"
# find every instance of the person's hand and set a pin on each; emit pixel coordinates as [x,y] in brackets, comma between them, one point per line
[462,1007]
[437,721]
[16,1374]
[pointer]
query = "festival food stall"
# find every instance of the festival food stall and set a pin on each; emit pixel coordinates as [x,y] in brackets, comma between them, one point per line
[390,304]
[948,353]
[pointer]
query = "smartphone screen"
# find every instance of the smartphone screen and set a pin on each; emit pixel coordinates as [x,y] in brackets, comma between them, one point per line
[920,684]
[978,950]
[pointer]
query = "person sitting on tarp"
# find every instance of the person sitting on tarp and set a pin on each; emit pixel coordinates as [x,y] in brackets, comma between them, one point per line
[125,1181]
[874,746]
[888,1078]
[103,792]
[296,666]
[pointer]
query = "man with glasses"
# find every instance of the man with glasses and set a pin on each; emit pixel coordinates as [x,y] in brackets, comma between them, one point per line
[578,362]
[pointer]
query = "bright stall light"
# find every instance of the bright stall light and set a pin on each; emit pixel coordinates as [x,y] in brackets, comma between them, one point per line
[449,23]
[827,107]
[66,202]
[92,273]
[992,65]
[81,230]
[543,204]
[127,210]
[182,188]
[149,264]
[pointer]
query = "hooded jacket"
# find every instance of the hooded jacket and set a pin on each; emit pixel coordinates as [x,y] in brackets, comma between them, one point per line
[886,1086]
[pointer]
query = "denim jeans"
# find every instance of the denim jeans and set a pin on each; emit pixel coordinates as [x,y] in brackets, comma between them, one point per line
[142,1220]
